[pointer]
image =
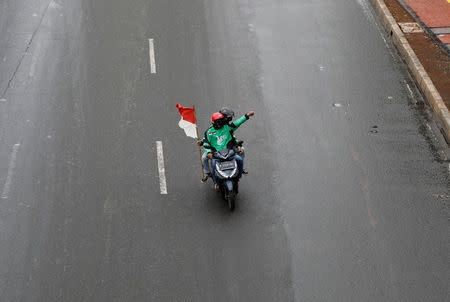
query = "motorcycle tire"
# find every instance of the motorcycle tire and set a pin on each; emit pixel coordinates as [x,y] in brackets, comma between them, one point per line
[231,200]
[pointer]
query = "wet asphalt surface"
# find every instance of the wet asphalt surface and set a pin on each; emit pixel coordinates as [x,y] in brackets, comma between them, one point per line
[348,193]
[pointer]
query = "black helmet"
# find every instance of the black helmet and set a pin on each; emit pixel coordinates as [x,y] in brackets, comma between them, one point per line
[227,113]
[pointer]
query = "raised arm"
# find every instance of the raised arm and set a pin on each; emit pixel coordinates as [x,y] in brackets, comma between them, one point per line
[242,119]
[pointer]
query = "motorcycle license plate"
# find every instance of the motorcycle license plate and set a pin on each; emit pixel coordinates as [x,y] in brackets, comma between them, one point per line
[228,165]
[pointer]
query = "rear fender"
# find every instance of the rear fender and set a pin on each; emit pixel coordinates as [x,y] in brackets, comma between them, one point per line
[229,185]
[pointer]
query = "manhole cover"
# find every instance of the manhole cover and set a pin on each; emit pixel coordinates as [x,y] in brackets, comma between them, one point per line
[411,27]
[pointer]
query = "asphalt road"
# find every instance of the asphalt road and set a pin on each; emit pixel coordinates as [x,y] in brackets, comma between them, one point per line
[348,193]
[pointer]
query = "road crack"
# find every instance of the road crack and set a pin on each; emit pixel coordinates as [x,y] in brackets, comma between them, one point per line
[27,48]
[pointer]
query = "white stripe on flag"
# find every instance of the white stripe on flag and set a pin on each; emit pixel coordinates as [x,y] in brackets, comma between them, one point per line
[188,128]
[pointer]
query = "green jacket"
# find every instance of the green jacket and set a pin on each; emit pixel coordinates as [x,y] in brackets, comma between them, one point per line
[218,139]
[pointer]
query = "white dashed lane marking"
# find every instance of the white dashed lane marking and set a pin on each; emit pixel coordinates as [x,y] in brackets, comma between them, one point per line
[151,50]
[11,168]
[161,169]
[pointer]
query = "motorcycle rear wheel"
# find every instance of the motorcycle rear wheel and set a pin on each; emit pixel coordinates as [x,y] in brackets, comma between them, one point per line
[230,197]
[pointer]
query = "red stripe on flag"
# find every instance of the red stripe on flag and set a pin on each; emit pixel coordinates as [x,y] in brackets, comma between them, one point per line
[187,113]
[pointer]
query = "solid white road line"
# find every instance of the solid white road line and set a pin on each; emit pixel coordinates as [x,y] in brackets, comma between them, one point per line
[11,168]
[151,49]
[161,170]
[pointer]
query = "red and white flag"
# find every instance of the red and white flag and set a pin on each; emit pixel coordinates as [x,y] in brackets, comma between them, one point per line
[187,122]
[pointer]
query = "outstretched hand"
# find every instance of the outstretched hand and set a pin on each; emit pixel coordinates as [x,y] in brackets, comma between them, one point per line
[251,113]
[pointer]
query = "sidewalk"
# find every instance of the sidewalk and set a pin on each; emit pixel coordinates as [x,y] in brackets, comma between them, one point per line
[435,15]
[418,23]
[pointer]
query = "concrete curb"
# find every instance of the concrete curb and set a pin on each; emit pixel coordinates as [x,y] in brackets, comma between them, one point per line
[421,76]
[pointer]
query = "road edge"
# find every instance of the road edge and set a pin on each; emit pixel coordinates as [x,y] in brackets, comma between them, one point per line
[421,76]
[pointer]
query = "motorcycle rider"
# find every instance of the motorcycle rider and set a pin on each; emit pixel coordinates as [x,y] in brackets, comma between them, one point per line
[229,115]
[220,136]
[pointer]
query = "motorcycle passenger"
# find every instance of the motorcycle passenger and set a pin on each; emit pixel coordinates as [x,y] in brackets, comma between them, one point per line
[229,115]
[220,136]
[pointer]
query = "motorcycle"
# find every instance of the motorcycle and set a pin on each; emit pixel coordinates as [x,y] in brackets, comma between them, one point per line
[226,170]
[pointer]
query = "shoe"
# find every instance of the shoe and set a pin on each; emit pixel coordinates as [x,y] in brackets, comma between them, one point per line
[207,175]
[245,172]
[216,188]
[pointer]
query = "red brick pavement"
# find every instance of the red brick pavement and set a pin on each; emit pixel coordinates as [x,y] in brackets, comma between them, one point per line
[434,13]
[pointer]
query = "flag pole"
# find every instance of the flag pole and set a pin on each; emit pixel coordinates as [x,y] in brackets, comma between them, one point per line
[199,148]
